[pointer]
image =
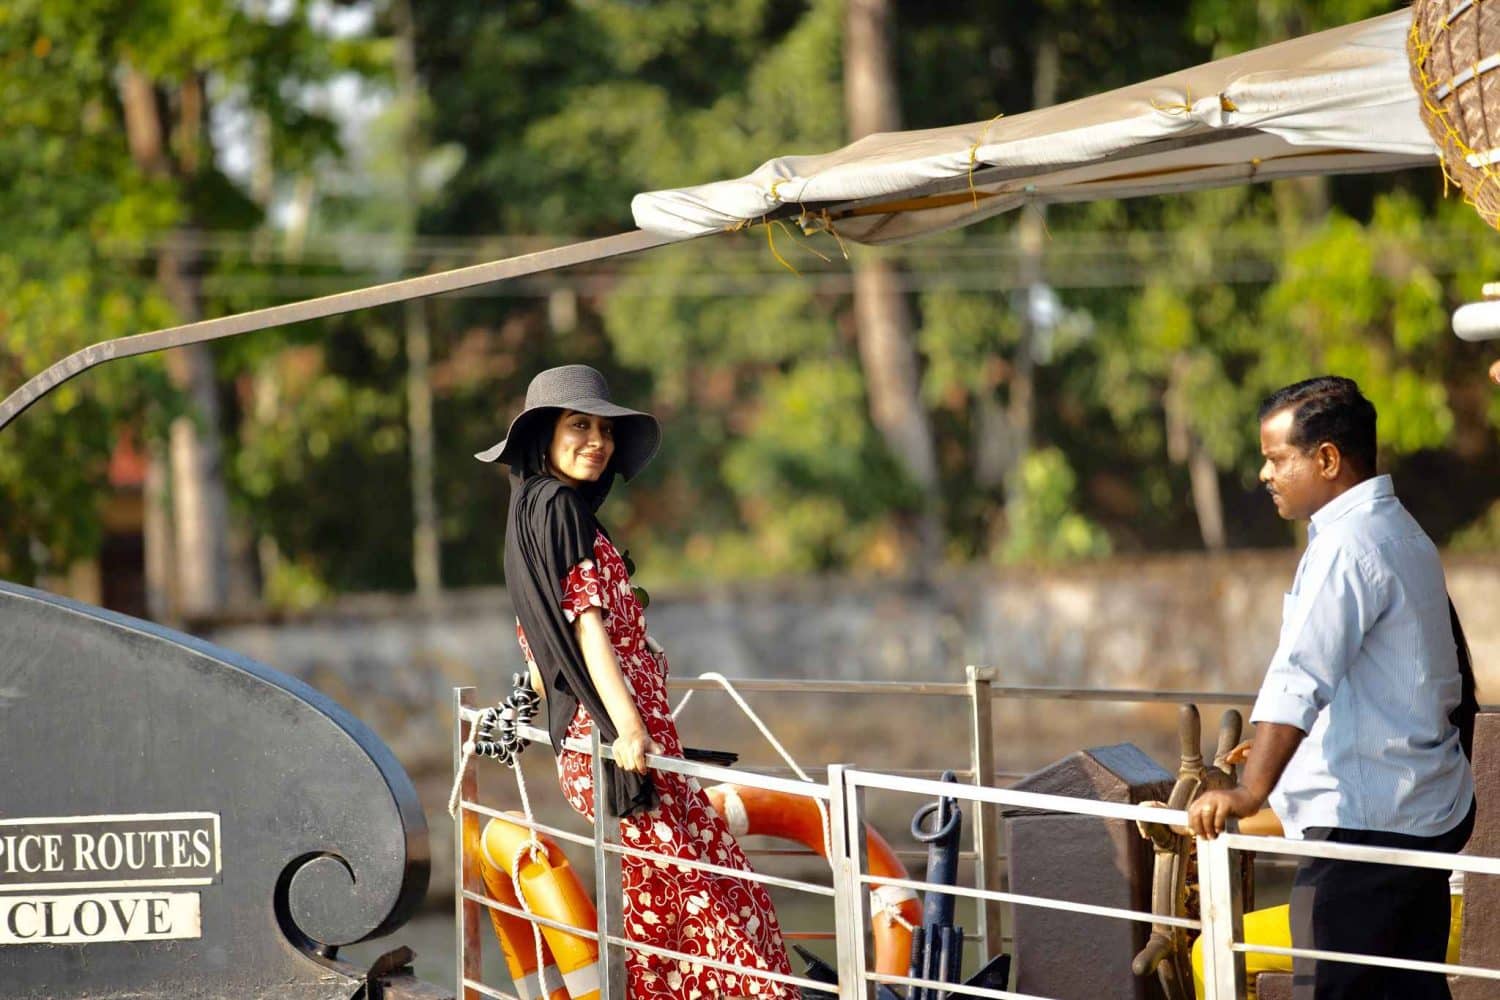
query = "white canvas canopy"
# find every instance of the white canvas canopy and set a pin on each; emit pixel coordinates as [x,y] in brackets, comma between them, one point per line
[1340,101]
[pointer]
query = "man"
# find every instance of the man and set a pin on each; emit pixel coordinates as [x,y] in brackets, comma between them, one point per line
[1354,736]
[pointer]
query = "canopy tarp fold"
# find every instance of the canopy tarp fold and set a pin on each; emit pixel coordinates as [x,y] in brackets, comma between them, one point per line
[1339,101]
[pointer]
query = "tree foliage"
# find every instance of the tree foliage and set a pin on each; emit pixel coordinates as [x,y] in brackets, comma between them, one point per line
[1168,318]
[83,219]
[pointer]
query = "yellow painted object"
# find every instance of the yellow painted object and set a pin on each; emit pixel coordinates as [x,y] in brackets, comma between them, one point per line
[1273,927]
[552,890]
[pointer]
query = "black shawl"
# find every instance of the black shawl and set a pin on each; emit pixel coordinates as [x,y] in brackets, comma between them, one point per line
[1468,704]
[550,529]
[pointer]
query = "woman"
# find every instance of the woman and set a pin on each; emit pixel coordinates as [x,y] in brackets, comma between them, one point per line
[583,633]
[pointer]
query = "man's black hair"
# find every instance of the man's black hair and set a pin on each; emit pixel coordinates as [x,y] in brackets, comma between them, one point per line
[1328,408]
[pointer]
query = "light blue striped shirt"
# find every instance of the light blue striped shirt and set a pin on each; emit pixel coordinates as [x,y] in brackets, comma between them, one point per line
[1367,668]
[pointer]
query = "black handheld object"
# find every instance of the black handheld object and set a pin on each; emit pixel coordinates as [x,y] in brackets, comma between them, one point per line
[719,758]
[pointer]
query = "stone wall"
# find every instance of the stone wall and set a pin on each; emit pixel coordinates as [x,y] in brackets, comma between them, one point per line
[1193,622]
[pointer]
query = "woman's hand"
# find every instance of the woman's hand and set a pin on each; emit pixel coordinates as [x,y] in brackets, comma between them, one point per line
[1240,753]
[1263,824]
[631,748]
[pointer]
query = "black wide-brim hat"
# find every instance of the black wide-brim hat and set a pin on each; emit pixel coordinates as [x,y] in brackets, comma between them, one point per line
[580,388]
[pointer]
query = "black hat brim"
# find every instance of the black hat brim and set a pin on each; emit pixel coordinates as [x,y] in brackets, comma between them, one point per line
[637,434]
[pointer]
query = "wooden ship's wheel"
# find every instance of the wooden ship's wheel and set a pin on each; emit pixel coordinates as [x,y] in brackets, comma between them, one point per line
[1454,50]
[1174,883]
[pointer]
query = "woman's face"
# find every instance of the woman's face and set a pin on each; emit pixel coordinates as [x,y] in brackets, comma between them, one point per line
[582,445]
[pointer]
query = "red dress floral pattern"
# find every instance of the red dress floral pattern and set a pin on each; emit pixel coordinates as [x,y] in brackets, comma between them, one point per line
[668,906]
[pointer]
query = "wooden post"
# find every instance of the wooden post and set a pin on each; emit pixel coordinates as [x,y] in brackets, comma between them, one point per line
[986,817]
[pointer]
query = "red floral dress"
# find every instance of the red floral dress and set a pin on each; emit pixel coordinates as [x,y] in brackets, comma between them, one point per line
[679,909]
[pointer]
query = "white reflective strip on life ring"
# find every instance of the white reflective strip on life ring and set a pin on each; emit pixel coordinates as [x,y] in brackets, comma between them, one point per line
[735,816]
[883,896]
[533,988]
[887,899]
[582,980]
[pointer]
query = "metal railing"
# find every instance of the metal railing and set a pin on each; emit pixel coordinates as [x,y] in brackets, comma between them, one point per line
[1224,954]
[607,854]
[844,793]
[979,692]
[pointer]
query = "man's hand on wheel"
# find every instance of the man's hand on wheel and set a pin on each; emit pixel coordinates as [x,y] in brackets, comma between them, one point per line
[1210,812]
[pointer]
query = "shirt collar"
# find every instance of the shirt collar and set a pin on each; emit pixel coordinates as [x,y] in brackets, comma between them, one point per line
[1373,488]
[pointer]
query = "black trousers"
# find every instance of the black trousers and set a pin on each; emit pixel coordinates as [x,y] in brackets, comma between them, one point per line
[1372,909]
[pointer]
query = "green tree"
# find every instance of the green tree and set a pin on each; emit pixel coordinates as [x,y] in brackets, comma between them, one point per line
[108,137]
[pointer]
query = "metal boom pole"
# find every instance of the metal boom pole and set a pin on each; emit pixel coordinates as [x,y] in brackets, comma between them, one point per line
[328,305]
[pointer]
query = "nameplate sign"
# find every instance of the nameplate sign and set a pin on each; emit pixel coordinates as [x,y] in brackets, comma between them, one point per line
[103,852]
[117,868]
[178,821]
[97,917]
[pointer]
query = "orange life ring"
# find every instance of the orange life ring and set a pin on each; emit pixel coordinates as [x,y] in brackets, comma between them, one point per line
[794,817]
[552,890]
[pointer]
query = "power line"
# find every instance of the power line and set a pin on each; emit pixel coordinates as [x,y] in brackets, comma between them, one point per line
[1074,260]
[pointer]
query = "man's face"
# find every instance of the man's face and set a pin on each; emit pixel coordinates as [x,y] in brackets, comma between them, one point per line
[1298,481]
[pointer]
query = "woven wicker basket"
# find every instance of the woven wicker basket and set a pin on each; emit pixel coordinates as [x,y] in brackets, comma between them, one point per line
[1454,50]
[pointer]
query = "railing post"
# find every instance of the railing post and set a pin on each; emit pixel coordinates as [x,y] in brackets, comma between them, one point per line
[1220,908]
[986,816]
[465,875]
[852,898]
[609,898]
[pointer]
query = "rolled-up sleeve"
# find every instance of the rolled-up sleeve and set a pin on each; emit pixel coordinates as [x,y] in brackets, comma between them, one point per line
[1339,597]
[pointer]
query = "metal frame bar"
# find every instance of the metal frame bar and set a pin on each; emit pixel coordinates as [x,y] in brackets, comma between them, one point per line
[1023,800]
[469,957]
[1354,958]
[1044,902]
[1219,861]
[1222,911]
[851,903]
[676,765]
[1224,949]
[626,944]
[703,866]
[953,689]
[478,987]
[1359,852]
[564,835]
[203,331]
[537,918]
[609,903]
[952,988]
